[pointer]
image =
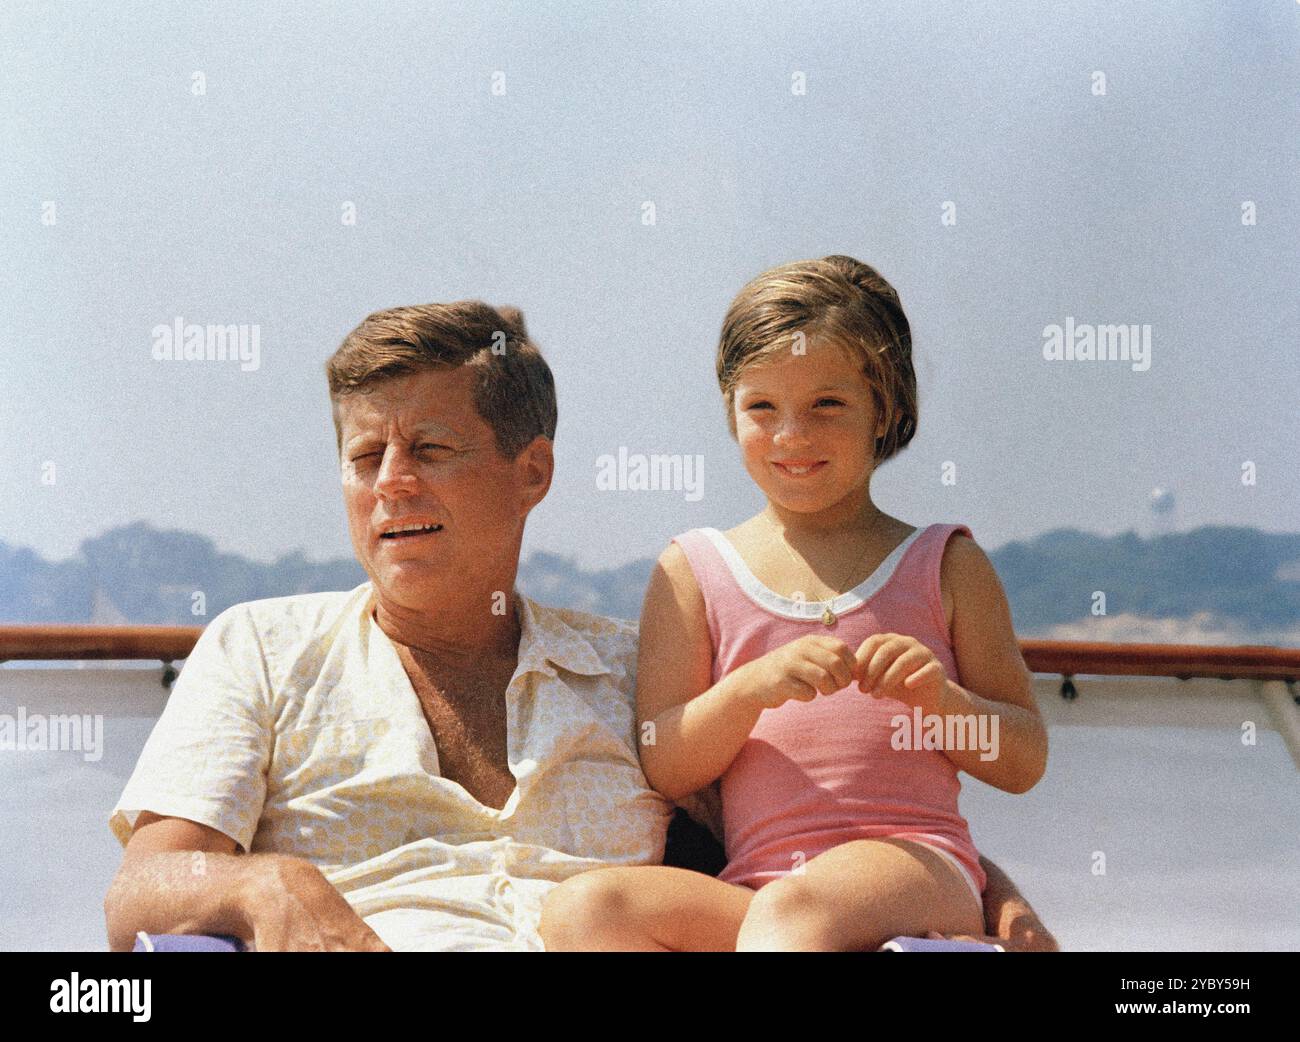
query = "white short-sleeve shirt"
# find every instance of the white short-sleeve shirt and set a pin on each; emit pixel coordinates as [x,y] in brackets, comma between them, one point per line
[293,728]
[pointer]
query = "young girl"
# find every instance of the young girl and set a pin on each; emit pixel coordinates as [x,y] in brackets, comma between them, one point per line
[793,656]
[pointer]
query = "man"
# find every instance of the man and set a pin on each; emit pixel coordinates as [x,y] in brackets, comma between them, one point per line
[414,764]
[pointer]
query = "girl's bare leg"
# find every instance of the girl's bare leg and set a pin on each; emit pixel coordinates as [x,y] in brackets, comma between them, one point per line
[858,895]
[647,908]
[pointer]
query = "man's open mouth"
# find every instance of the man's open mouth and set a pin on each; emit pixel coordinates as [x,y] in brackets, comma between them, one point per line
[410,531]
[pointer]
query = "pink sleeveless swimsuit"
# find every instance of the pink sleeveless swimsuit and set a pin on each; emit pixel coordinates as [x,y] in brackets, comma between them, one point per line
[813,775]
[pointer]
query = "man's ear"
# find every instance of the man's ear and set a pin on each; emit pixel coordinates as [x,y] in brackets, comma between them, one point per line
[534,468]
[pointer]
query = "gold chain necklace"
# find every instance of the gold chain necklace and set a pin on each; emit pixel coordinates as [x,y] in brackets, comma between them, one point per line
[828,617]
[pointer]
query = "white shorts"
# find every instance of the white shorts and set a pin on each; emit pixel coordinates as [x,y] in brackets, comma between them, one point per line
[918,837]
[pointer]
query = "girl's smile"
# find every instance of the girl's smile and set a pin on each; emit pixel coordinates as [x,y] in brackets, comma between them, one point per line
[798,468]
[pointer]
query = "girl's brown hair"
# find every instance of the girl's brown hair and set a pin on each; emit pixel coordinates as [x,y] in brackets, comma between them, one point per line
[514,391]
[836,299]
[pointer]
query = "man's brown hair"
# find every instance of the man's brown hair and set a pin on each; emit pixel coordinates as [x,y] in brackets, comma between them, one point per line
[836,299]
[514,391]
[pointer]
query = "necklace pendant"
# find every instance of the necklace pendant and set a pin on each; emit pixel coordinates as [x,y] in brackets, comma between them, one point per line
[828,616]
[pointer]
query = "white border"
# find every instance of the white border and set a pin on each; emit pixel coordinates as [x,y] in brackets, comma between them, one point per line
[808,611]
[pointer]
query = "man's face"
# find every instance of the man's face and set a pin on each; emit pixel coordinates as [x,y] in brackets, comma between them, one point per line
[416,456]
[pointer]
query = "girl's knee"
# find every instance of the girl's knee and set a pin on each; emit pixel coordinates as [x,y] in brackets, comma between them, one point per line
[793,914]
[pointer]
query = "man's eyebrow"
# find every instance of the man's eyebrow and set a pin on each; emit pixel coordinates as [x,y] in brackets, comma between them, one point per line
[434,427]
[362,437]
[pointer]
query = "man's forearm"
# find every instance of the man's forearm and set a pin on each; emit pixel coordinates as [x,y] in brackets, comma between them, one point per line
[1008,915]
[182,892]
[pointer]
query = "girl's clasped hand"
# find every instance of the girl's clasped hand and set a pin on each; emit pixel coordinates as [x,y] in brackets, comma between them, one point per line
[885,665]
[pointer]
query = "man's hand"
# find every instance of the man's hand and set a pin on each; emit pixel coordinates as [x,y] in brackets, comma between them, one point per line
[1009,920]
[1034,938]
[292,907]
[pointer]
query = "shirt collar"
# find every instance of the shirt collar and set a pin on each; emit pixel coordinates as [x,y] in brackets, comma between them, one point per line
[545,639]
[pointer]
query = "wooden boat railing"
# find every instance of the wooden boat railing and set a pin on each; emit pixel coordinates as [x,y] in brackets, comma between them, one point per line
[1067,658]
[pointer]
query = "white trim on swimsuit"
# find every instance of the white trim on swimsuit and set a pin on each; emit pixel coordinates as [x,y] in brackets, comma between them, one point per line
[805,610]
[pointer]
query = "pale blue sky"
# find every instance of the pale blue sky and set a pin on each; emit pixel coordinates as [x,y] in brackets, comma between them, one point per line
[1124,208]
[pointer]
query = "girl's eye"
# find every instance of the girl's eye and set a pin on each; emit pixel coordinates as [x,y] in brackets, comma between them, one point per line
[820,401]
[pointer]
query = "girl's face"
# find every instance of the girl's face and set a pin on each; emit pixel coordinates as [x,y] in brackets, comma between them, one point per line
[806,425]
